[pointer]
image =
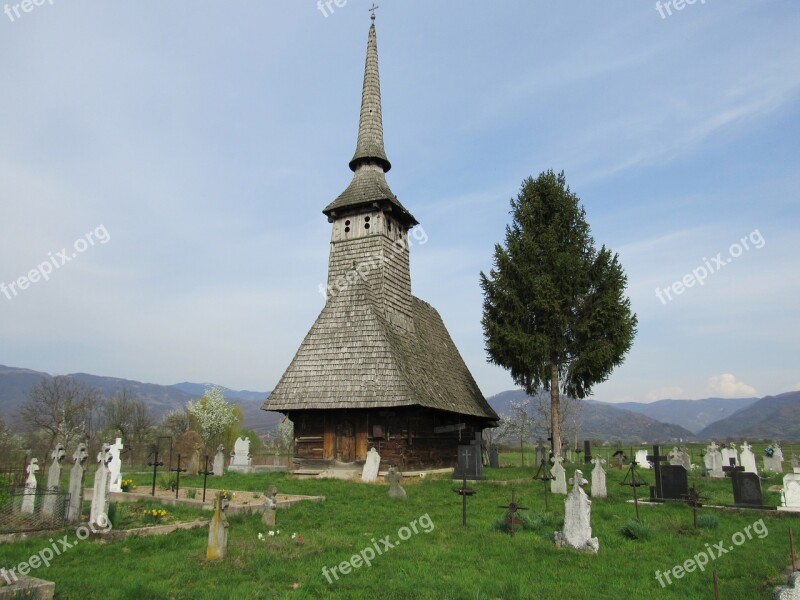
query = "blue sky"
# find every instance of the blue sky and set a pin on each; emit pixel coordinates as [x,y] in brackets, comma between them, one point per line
[199,142]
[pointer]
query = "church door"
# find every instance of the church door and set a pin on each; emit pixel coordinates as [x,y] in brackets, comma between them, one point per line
[345,441]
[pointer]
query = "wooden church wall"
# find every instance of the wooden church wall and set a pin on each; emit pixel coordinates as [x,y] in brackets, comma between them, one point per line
[409,437]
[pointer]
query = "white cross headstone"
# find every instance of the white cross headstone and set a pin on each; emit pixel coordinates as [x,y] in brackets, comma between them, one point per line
[728,454]
[98,513]
[115,467]
[748,459]
[641,459]
[241,460]
[371,466]
[599,489]
[558,485]
[577,531]
[774,463]
[77,476]
[29,498]
[791,492]
[53,481]
[714,461]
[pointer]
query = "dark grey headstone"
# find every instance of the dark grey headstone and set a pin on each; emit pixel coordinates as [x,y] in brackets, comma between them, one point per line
[494,457]
[470,464]
[587,452]
[674,482]
[747,489]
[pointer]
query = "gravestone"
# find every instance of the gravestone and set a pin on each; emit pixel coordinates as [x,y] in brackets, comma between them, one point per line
[29,497]
[790,494]
[494,457]
[270,507]
[395,489]
[748,459]
[470,463]
[558,485]
[577,532]
[217,532]
[657,490]
[795,462]
[599,489]
[747,490]
[372,465]
[679,456]
[713,461]
[240,458]
[619,459]
[115,466]
[570,456]
[219,462]
[774,463]
[77,477]
[674,482]
[641,459]
[674,456]
[540,453]
[729,453]
[53,481]
[99,510]
[587,452]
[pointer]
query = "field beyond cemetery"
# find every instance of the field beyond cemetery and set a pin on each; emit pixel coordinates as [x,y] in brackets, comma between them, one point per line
[439,559]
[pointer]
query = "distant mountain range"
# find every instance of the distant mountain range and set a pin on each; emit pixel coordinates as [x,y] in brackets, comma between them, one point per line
[772,417]
[15,384]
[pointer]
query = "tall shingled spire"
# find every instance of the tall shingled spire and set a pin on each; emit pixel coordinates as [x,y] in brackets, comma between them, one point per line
[369,147]
[368,187]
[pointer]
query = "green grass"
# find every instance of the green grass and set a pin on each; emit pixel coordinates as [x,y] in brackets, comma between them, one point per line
[449,562]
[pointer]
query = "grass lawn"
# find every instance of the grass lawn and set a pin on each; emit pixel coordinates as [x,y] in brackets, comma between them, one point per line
[442,560]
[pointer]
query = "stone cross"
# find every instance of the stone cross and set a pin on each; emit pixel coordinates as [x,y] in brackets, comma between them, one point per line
[559,483]
[217,532]
[115,466]
[599,489]
[577,531]
[748,459]
[98,513]
[395,489]
[77,477]
[29,499]
[219,461]
[53,481]
[270,507]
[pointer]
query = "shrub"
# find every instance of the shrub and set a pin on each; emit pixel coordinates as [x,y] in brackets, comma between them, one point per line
[634,530]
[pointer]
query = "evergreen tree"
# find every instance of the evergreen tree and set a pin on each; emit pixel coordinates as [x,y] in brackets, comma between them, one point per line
[555,312]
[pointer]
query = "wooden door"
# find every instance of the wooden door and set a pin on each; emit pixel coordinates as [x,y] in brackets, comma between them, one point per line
[345,441]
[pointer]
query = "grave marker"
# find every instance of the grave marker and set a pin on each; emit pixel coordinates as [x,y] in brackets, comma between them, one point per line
[77,477]
[577,531]
[53,480]
[511,515]
[29,497]
[464,491]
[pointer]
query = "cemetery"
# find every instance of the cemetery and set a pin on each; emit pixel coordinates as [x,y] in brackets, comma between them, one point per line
[585,529]
[376,467]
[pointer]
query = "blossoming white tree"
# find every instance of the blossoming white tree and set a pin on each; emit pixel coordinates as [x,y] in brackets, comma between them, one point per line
[213,413]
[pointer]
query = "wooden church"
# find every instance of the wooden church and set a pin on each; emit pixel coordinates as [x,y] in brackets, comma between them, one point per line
[378,368]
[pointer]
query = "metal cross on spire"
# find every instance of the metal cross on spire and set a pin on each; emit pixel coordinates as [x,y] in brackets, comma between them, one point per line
[372,9]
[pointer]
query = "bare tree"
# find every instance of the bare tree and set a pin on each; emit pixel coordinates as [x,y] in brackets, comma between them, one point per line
[129,416]
[176,423]
[519,424]
[60,407]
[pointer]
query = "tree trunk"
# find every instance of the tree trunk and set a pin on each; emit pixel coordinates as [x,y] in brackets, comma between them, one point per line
[555,416]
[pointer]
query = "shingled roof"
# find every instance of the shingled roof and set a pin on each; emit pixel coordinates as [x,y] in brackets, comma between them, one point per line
[353,358]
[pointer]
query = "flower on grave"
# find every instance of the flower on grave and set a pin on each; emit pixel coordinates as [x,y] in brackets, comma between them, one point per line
[769,451]
[299,540]
[127,485]
[271,533]
[294,535]
[261,536]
